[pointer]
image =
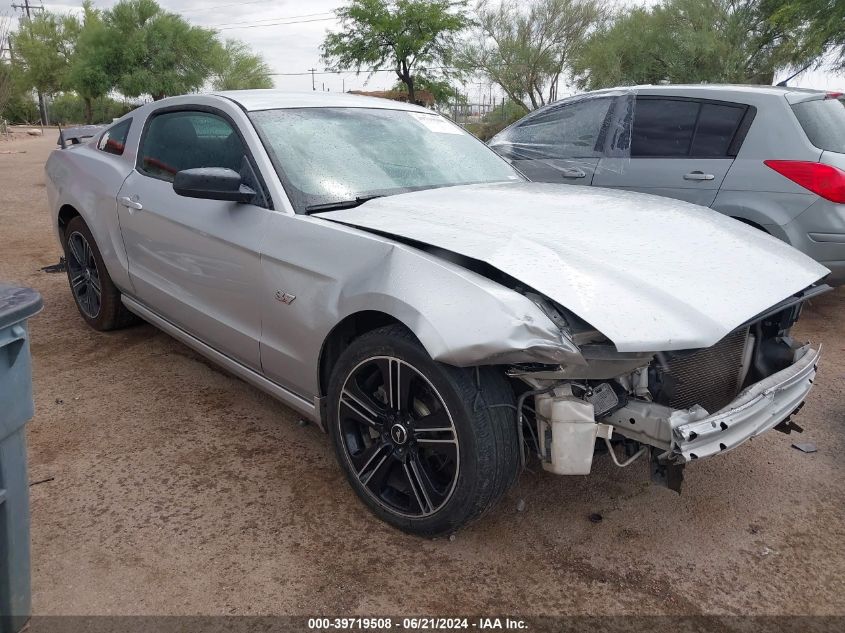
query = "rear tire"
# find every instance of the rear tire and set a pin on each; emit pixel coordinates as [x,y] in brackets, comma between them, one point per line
[428,447]
[95,295]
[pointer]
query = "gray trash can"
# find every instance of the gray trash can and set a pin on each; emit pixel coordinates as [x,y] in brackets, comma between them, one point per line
[16,408]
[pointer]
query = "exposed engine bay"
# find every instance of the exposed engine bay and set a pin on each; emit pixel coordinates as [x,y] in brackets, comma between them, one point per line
[674,407]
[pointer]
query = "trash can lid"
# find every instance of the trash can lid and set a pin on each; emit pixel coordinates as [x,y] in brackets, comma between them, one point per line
[17,304]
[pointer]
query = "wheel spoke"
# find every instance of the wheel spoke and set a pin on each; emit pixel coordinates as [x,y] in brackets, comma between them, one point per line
[434,425]
[437,452]
[431,494]
[384,366]
[86,253]
[364,461]
[77,282]
[364,388]
[86,298]
[95,283]
[358,410]
[76,250]
[419,494]
[377,473]
[402,375]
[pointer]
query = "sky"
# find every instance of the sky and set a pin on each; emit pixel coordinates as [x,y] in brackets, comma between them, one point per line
[288,34]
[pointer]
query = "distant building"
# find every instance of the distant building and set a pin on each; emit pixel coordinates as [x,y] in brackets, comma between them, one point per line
[423,97]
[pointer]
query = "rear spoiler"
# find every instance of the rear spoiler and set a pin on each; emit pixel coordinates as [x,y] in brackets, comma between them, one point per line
[78,134]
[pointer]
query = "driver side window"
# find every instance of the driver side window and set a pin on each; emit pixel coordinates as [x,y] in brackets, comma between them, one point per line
[186,140]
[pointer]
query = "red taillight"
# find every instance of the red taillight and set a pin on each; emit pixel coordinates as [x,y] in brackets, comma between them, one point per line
[823,180]
[834,95]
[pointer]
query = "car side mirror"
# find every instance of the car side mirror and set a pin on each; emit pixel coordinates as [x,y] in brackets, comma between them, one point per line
[212,183]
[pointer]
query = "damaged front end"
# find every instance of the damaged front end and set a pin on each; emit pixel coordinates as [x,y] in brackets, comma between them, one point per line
[675,407]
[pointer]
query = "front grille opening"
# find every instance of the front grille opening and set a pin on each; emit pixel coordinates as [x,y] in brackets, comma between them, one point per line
[709,377]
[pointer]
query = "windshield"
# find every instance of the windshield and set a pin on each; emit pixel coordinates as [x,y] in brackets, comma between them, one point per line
[327,155]
[823,121]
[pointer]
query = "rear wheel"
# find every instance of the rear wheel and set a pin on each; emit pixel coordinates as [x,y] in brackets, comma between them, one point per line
[96,297]
[428,447]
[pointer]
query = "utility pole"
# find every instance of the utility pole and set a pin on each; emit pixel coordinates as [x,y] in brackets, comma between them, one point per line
[27,8]
[312,71]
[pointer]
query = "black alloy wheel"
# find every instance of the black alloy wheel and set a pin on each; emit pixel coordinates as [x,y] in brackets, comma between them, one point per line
[428,447]
[84,276]
[398,436]
[96,296]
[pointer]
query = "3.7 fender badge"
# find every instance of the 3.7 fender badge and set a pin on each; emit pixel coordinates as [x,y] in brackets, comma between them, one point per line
[285,297]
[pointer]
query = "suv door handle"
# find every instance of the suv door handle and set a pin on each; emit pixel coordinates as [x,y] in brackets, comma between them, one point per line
[698,175]
[572,172]
[130,203]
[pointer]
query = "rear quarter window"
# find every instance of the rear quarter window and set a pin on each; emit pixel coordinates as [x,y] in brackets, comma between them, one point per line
[823,121]
[113,140]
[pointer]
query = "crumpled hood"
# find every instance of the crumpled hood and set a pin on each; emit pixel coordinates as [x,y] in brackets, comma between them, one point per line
[650,273]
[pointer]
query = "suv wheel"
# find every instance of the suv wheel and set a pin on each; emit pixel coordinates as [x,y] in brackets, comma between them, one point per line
[428,447]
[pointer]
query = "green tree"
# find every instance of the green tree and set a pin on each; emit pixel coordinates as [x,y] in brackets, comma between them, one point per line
[238,68]
[44,46]
[442,91]
[685,41]
[6,78]
[526,51]
[817,26]
[92,71]
[407,36]
[156,52]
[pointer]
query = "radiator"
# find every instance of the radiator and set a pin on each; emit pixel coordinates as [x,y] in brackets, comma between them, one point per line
[710,377]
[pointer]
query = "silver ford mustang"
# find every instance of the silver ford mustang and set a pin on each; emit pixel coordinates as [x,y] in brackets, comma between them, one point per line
[384,273]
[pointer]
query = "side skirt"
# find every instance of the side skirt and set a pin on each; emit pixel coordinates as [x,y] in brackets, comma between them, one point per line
[296,402]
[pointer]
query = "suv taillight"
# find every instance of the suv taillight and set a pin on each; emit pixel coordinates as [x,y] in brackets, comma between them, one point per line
[823,180]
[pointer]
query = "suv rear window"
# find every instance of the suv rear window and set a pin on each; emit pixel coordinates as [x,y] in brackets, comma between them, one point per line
[823,121]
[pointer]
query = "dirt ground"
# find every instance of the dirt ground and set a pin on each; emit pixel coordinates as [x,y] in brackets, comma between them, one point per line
[178,489]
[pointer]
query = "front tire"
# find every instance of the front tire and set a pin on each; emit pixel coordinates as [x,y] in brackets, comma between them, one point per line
[96,296]
[427,446]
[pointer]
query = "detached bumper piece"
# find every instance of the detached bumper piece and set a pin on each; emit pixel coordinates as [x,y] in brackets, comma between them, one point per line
[757,409]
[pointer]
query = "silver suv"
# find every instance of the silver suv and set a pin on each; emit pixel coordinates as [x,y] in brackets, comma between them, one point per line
[771,157]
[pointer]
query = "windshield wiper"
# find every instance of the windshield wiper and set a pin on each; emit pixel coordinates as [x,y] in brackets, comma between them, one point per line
[342,204]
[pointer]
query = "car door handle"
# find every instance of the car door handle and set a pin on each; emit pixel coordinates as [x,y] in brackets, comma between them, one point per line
[698,175]
[572,172]
[130,203]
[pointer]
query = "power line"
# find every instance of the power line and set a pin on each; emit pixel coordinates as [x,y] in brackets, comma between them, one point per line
[223,6]
[346,72]
[289,17]
[254,26]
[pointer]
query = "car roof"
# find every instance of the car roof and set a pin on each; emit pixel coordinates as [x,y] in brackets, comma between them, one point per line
[726,88]
[273,99]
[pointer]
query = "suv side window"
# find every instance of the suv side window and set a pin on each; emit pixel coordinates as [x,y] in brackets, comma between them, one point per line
[684,128]
[181,140]
[113,140]
[717,126]
[572,130]
[663,127]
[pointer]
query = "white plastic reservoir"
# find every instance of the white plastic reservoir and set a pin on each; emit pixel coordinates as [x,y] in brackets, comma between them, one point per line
[567,429]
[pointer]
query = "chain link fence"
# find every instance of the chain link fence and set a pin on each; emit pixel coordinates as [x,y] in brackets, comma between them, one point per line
[485,119]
